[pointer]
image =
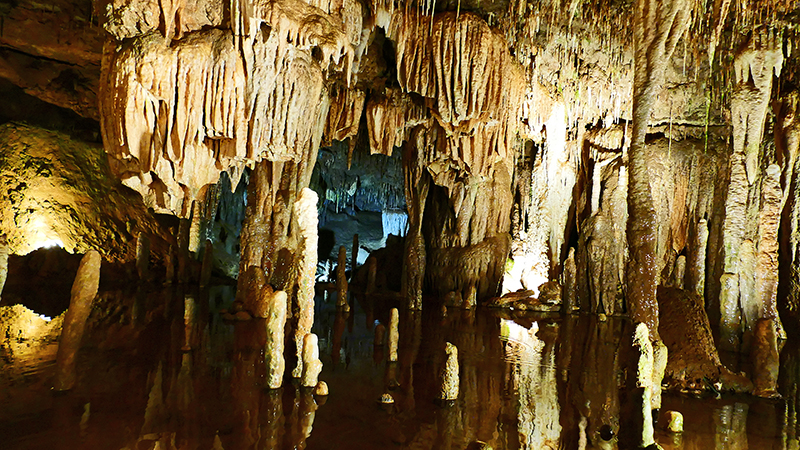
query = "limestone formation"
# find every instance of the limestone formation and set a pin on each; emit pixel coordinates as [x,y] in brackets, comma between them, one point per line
[765,358]
[643,389]
[84,290]
[208,263]
[305,210]
[341,280]
[321,389]
[189,319]
[674,421]
[394,338]
[693,357]
[450,376]
[3,262]
[312,366]
[275,323]
[372,268]
[354,254]
[658,26]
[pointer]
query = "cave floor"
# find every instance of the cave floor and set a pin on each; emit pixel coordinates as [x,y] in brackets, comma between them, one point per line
[148,378]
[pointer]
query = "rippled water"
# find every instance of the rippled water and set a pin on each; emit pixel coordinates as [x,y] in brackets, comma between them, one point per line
[147,380]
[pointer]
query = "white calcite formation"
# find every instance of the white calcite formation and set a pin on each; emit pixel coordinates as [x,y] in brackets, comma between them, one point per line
[184,103]
[312,366]
[275,323]
[394,337]
[749,246]
[306,210]
[450,379]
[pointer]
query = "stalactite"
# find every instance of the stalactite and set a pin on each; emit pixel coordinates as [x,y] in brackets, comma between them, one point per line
[657,30]
[754,67]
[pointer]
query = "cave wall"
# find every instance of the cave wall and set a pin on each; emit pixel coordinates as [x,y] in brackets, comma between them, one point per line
[521,118]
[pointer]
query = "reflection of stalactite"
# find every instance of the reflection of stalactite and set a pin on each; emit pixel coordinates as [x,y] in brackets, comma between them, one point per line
[533,383]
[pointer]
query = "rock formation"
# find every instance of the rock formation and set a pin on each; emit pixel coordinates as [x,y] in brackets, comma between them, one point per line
[274,347]
[83,293]
[450,377]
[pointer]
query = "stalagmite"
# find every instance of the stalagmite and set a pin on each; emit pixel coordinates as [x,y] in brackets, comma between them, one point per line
[754,66]
[394,338]
[697,274]
[417,185]
[3,262]
[275,323]
[312,366]
[372,269]
[143,256]
[208,263]
[305,216]
[658,26]
[189,307]
[321,389]
[569,293]
[354,254]
[84,290]
[183,252]
[640,394]
[766,270]
[765,358]
[341,280]
[660,355]
[195,229]
[169,265]
[449,377]
[674,421]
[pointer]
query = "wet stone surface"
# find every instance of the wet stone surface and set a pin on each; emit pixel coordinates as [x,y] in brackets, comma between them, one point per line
[151,376]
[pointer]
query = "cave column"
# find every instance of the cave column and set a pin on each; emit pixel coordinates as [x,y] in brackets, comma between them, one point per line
[417,185]
[658,26]
[749,280]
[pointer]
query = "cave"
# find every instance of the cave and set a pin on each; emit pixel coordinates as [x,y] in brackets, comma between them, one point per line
[371,224]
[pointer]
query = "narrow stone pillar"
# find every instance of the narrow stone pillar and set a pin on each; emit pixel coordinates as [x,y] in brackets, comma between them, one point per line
[195,229]
[84,290]
[394,319]
[341,280]
[354,255]
[312,366]
[639,423]
[305,218]
[276,321]
[3,262]
[169,265]
[208,263]
[188,322]
[450,380]
[569,284]
[766,361]
[372,269]
[183,251]
[660,355]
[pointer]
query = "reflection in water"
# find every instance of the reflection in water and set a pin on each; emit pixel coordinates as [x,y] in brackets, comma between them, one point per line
[532,381]
[164,370]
